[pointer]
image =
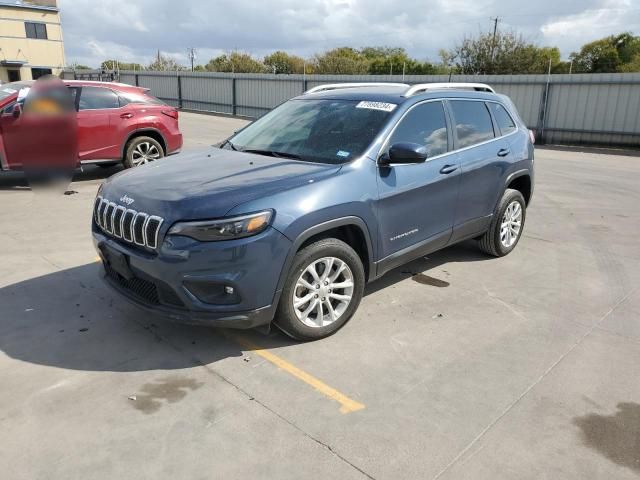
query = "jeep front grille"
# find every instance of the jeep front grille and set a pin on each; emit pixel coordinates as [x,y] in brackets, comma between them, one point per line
[126,224]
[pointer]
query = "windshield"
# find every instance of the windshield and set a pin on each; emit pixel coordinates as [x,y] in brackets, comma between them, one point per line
[9,89]
[327,131]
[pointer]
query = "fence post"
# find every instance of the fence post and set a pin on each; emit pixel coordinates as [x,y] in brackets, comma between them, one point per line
[234,107]
[179,91]
[135,76]
[305,82]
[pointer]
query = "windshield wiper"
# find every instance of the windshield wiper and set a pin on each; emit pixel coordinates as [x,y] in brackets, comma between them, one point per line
[233,147]
[272,153]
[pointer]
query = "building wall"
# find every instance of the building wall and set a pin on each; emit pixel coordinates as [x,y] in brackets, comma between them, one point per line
[37,53]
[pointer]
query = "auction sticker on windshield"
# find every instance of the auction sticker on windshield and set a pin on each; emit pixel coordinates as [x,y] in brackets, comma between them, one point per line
[385,107]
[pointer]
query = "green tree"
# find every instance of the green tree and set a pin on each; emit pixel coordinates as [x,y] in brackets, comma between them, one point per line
[633,65]
[596,57]
[235,62]
[282,62]
[79,66]
[507,53]
[615,53]
[341,61]
[163,63]
[394,60]
[113,64]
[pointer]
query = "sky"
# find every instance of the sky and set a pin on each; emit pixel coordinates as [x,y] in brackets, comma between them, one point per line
[133,30]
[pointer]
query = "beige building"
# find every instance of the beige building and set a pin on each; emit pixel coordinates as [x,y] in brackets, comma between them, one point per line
[30,39]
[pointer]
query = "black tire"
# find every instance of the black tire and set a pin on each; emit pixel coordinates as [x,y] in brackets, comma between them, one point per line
[490,242]
[286,318]
[139,142]
[107,164]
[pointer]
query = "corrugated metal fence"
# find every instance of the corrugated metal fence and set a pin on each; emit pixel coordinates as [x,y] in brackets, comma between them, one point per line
[574,109]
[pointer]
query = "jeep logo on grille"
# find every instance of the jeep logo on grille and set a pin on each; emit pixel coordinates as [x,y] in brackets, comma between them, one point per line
[126,200]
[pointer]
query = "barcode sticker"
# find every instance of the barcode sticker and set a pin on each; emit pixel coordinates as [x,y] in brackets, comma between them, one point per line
[385,107]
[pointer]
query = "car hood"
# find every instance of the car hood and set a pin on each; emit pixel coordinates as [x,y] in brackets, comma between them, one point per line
[207,184]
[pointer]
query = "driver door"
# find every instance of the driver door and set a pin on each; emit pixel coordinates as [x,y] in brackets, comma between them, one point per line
[417,202]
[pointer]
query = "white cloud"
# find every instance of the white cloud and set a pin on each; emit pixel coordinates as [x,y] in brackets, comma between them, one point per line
[133,30]
[576,29]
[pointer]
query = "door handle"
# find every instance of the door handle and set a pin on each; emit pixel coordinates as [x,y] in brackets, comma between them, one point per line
[447,169]
[126,115]
[503,152]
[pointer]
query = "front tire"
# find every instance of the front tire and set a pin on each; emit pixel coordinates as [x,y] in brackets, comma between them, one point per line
[322,291]
[141,150]
[506,226]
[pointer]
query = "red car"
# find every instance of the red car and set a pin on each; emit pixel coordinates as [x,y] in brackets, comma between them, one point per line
[116,123]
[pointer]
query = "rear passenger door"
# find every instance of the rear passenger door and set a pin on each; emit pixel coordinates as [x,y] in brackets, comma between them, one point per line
[417,202]
[481,156]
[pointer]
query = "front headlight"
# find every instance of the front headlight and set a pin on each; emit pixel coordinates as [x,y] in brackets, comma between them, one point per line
[224,228]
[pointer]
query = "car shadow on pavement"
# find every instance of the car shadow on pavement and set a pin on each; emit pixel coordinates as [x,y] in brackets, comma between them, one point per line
[420,268]
[71,319]
[17,180]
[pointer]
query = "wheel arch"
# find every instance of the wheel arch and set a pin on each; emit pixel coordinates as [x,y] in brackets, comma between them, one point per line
[521,181]
[144,132]
[352,230]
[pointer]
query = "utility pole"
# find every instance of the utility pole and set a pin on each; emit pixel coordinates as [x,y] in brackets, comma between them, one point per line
[495,19]
[191,55]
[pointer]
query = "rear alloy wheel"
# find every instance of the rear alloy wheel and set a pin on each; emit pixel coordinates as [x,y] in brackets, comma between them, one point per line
[323,290]
[506,225]
[142,150]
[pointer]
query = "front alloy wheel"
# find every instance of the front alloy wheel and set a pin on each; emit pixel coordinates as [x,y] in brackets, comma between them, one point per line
[322,291]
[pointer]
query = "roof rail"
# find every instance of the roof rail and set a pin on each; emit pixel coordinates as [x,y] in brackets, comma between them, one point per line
[336,86]
[422,87]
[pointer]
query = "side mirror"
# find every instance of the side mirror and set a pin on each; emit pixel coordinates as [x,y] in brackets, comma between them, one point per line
[404,152]
[17,110]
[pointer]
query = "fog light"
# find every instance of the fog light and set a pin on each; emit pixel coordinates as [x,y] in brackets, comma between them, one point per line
[212,292]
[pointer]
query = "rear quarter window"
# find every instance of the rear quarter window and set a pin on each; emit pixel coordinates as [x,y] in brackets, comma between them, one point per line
[126,98]
[472,122]
[503,119]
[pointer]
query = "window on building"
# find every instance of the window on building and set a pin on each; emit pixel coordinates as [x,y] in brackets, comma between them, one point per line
[36,30]
[36,73]
[97,98]
[425,125]
[473,122]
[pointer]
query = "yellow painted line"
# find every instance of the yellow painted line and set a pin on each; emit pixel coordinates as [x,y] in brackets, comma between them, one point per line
[347,405]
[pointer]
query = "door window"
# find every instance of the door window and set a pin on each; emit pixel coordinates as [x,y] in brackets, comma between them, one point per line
[503,119]
[473,122]
[425,125]
[97,98]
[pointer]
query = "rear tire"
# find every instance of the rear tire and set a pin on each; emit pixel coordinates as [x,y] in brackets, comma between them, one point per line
[322,292]
[141,150]
[506,225]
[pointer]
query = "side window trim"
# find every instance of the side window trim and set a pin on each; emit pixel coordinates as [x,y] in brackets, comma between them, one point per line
[496,131]
[448,123]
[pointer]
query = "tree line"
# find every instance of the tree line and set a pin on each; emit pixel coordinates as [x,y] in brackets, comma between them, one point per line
[483,54]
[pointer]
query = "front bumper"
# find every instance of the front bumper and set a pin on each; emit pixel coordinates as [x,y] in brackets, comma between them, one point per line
[251,266]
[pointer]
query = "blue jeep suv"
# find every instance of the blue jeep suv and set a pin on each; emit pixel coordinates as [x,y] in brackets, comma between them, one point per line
[288,219]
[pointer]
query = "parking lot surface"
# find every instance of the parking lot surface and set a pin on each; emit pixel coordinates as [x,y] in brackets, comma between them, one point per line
[456,366]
